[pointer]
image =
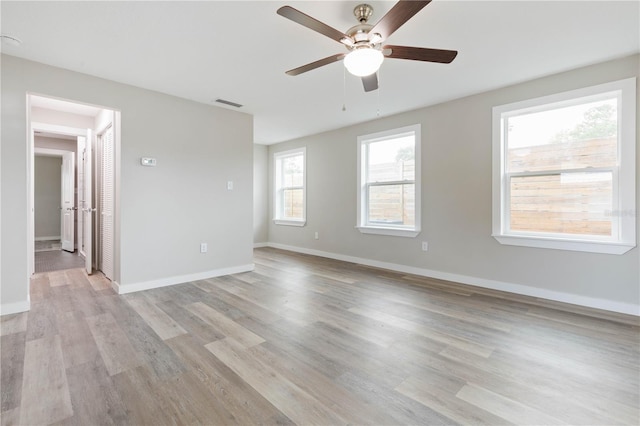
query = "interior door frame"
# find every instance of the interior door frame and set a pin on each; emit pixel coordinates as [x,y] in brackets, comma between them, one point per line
[30,128]
[45,128]
[47,152]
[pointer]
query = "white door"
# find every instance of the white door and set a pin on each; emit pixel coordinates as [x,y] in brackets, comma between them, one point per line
[107,203]
[80,145]
[87,207]
[68,202]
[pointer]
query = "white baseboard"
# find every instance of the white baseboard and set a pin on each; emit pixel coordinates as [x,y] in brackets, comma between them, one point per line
[259,245]
[15,307]
[48,238]
[574,299]
[179,279]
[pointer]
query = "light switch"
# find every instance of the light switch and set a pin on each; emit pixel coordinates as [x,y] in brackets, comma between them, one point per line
[149,162]
[230,185]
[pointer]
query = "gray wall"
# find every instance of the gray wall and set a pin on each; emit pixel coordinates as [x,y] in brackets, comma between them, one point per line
[47,195]
[456,197]
[166,211]
[260,194]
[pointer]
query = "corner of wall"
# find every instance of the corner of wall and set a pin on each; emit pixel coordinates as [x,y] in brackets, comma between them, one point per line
[15,307]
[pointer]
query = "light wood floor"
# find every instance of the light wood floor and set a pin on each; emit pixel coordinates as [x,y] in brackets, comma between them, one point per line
[304,340]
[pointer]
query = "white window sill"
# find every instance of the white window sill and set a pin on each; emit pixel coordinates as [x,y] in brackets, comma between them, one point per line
[410,233]
[290,222]
[591,246]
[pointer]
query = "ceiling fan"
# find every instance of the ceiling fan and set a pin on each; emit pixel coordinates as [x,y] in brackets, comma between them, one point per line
[364,41]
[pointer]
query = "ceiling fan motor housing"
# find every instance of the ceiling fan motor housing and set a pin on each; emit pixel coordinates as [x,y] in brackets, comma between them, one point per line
[360,33]
[363,12]
[364,41]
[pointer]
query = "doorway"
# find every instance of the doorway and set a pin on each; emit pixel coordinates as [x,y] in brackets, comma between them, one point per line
[55,226]
[70,136]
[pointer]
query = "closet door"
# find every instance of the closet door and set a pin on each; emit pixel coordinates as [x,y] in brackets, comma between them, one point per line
[68,202]
[107,203]
[87,204]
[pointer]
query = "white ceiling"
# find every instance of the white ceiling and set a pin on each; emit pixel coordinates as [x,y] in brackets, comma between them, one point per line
[239,51]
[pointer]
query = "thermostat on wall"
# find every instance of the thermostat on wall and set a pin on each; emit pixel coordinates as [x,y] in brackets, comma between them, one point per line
[149,162]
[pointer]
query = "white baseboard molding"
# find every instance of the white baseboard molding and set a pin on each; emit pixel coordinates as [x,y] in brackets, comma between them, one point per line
[15,307]
[179,279]
[48,238]
[259,245]
[574,299]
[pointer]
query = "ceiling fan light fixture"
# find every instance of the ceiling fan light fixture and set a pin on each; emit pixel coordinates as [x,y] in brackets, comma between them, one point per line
[364,61]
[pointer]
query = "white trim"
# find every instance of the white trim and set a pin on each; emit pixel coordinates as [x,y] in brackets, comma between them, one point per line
[58,129]
[278,211]
[525,290]
[179,279]
[47,238]
[290,222]
[623,237]
[15,307]
[396,232]
[362,221]
[260,245]
[50,152]
[604,247]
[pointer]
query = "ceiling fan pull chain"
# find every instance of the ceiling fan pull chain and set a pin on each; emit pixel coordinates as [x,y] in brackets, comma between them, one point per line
[378,94]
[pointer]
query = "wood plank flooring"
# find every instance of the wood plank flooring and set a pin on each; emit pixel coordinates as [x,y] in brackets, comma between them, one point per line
[306,340]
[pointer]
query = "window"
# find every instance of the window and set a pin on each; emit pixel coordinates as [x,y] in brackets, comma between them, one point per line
[389,182]
[564,170]
[290,183]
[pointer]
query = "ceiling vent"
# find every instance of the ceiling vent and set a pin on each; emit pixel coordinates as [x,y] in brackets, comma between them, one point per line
[233,104]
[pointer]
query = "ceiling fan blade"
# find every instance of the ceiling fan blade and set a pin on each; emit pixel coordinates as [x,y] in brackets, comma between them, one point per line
[370,82]
[397,16]
[420,54]
[317,64]
[305,20]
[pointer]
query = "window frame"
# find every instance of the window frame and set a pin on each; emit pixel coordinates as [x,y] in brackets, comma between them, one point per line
[623,235]
[278,196]
[362,221]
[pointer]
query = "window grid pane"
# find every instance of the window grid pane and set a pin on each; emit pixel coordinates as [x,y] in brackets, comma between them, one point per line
[292,171]
[391,205]
[573,137]
[577,137]
[566,203]
[293,204]
[290,187]
[391,160]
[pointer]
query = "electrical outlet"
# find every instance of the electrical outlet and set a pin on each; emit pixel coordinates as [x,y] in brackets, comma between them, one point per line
[203,247]
[316,236]
[425,246]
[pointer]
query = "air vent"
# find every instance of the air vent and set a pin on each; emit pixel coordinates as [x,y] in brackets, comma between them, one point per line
[233,104]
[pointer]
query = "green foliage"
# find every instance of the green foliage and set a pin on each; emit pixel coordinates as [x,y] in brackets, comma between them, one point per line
[598,123]
[405,154]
